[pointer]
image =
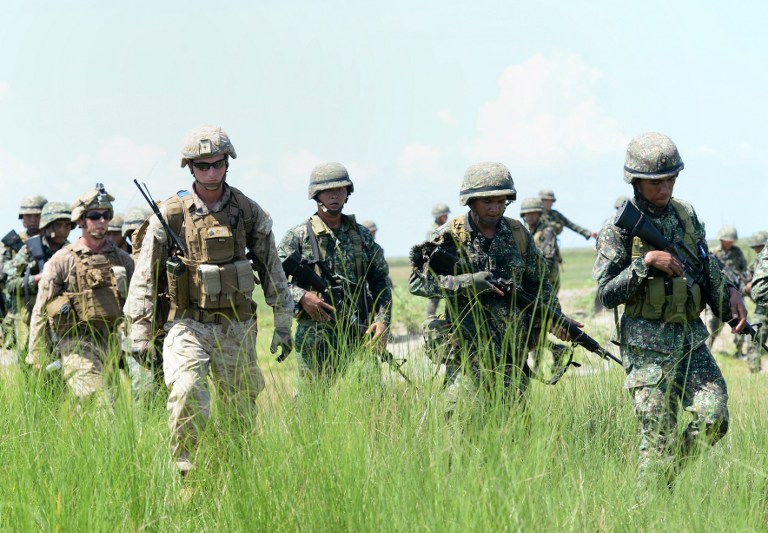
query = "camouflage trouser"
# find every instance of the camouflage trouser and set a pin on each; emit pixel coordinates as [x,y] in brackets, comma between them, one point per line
[83,363]
[474,377]
[323,350]
[715,326]
[15,332]
[754,350]
[432,305]
[659,383]
[191,352]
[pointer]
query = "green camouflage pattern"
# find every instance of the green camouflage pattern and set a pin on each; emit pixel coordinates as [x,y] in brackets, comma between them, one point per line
[439,210]
[32,205]
[485,335]
[116,224]
[531,205]
[758,239]
[329,176]
[651,156]
[728,233]
[558,221]
[735,269]
[759,293]
[547,194]
[545,238]
[665,363]
[324,347]
[53,211]
[485,180]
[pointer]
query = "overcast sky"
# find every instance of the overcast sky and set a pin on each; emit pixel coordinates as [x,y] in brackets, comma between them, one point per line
[405,94]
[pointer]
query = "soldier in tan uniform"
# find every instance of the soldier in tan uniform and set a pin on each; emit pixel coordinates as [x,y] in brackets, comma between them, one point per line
[211,326]
[80,298]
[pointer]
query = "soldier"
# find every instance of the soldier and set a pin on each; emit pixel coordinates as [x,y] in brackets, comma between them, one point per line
[620,201]
[29,214]
[370,225]
[484,338]
[134,218]
[735,267]
[440,214]
[80,296]
[664,346]
[344,254]
[760,316]
[557,220]
[544,237]
[211,326]
[115,233]
[24,271]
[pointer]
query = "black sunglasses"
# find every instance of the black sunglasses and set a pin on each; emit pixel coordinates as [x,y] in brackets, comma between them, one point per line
[216,164]
[98,215]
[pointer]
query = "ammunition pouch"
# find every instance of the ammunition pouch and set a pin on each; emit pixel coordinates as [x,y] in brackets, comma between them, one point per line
[669,300]
[216,243]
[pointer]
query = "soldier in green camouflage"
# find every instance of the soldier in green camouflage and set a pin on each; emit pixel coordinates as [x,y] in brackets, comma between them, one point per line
[760,316]
[557,220]
[115,233]
[484,338]
[734,265]
[663,342]
[344,254]
[545,238]
[133,220]
[24,273]
[440,214]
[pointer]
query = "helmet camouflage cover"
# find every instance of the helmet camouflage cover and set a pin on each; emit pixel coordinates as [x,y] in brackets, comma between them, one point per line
[652,156]
[32,205]
[116,224]
[531,205]
[329,176]
[486,179]
[547,194]
[206,141]
[53,211]
[134,218]
[758,239]
[96,198]
[439,210]
[370,225]
[728,233]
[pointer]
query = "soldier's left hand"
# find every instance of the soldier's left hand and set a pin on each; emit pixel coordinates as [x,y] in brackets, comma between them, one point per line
[282,339]
[738,309]
[560,330]
[378,332]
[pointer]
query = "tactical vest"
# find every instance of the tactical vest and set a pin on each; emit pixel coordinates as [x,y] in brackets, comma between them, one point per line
[668,299]
[460,231]
[96,297]
[215,280]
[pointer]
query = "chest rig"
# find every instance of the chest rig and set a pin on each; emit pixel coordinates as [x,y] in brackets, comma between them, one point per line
[215,281]
[667,299]
[461,233]
[95,295]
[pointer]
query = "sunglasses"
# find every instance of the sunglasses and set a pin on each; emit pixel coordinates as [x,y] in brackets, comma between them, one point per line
[216,164]
[98,215]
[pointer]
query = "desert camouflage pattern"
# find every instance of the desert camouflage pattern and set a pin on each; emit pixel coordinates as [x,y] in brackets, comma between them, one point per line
[116,224]
[666,363]
[483,339]
[321,347]
[651,156]
[96,198]
[206,141]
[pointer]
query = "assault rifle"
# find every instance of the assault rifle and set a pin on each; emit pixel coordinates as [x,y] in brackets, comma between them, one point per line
[444,262]
[303,275]
[36,251]
[694,262]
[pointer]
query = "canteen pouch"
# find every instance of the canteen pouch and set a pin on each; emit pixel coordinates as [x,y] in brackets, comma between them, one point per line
[178,282]
[209,284]
[217,244]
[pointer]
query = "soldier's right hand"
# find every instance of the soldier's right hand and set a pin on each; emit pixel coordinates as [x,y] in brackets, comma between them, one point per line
[665,262]
[478,283]
[316,308]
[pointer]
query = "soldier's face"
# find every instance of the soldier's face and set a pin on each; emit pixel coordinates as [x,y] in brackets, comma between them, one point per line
[333,199]
[59,231]
[31,223]
[210,171]
[115,236]
[547,204]
[531,218]
[441,219]
[657,192]
[95,223]
[489,210]
[726,245]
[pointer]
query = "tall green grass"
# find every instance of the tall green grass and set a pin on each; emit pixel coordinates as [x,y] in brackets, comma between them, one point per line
[370,455]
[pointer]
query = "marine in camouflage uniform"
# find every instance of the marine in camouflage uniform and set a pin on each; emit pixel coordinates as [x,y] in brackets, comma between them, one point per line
[734,265]
[545,238]
[23,272]
[760,316]
[211,326]
[663,342]
[79,301]
[116,233]
[440,214]
[29,213]
[483,338]
[556,219]
[344,254]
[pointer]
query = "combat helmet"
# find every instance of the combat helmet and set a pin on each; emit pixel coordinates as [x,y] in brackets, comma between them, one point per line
[32,205]
[370,225]
[439,210]
[547,194]
[206,141]
[53,211]
[96,198]
[758,239]
[651,156]
[116,223]
[329,176]
[486,179]
[531,205]
[728,233]
[133,220]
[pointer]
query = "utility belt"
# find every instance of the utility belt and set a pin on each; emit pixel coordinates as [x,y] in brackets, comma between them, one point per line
[207,287]
[667,299]
[220,316]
